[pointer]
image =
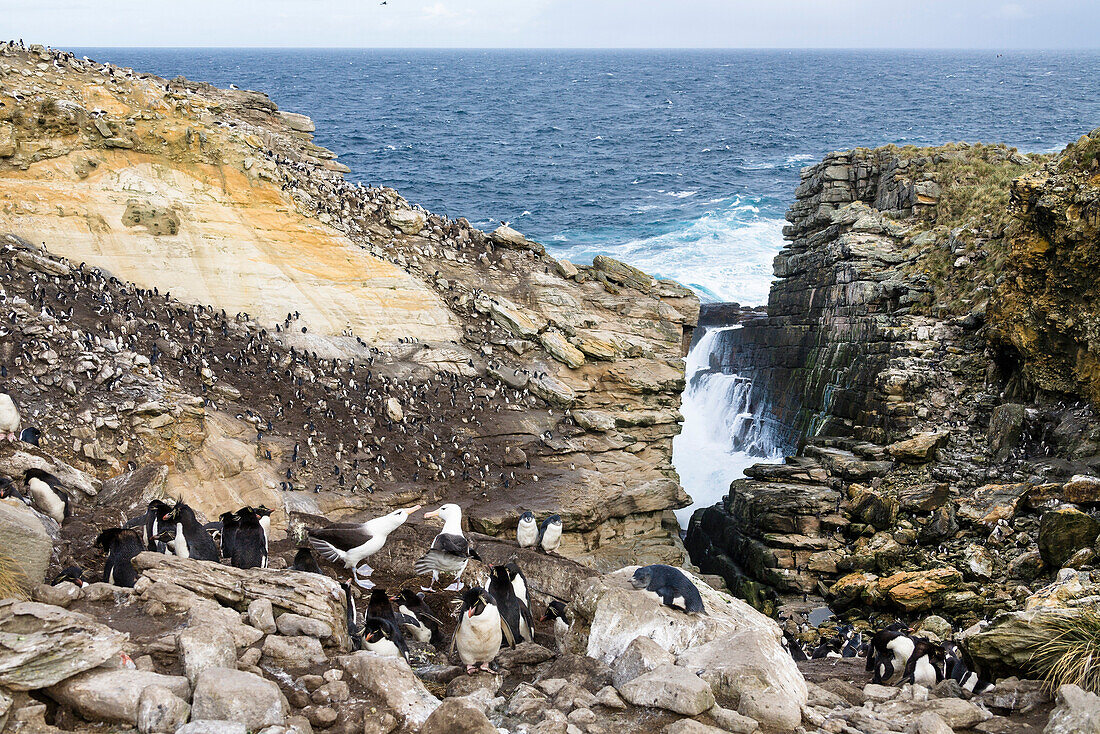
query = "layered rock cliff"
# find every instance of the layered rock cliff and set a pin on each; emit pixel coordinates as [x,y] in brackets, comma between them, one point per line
[191,282]
[926,354]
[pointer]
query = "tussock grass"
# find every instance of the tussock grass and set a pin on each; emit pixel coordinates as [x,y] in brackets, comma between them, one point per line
[1071,653]
[13,581]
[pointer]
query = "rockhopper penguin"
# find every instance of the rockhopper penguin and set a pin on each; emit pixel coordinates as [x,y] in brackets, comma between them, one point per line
[671,585]
[480,631]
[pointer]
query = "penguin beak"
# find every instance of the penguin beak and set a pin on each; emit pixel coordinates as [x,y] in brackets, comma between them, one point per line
[470,612]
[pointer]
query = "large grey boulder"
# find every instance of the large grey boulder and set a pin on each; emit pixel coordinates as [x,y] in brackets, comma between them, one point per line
[41,645]
[236,695]
[23,538]
[616,614]
[670,687]
[213,726]
[640,656]
[206,646]
[160,711]
[754,673]
[307,594]
[1009,642]
[955,712]
[1076,711]
[112,694]
[293,652]
[394,682]
[294,625]
[456,715]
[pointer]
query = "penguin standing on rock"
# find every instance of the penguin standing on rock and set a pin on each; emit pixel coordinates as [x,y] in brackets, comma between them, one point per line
[47,493]
[9,416]
[230,522]
[671,585]
[304,561]
[888,654]
[191,539]
[527,531]
[555,610]
[249,549]
[121,545]
[480,631]
[8,490]
[513,610]
[550,534]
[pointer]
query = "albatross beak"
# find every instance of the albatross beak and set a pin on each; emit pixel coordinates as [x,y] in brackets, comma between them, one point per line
[412,509]
[433,513]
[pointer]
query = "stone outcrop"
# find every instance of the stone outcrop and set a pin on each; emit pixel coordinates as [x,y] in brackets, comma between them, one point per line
[116,170]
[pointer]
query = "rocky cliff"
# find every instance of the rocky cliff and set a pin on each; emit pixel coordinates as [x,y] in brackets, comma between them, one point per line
[192,283]
[926,355]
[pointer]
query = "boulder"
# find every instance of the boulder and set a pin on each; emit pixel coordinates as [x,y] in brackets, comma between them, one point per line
[206,646]
[872,508]
[616,614]
[41,645]
[408,221]
[1064,531]
[691,726]
[733,722]
[297,122]
[293,652]
[1082,489]
[560,349]
[1013,694]
[1075,712]
[236,695]
[930,722]
[913,591]
[293,625]
[112,694]
[394,682]
[160,711]
[919,448]
[670,687]
[261,616]
[620,272]
[955,712]
[1009,642]
[213,726]
[308,594]
[453,716]
[61,595]
[640,656]
[755,673]
[466,685]
[23,538]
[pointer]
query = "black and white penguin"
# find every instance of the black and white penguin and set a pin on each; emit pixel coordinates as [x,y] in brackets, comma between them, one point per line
[671,585]
[794,647]
[889,652]
[420,623]
[958,668]
[383,637]
[351,543]
[480,631]
[556,611]
[927,664]
[249,546]
[230,522]
[47,493]
[550,534]
[450,551]
[513,610]
[72,574]
[827,647]
[150,523]
[9,416]
[191,539]
[30,435]
[264,516]
[121,545]
[355,632]
[527,531]
[519,582]
[304,561]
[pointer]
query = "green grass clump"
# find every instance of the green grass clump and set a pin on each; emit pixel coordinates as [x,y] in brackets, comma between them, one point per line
[1071,653]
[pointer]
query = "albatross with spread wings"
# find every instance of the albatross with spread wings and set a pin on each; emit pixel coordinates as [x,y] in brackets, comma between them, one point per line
[350,543]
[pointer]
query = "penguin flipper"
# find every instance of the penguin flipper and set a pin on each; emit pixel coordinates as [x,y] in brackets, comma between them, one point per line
[507,631]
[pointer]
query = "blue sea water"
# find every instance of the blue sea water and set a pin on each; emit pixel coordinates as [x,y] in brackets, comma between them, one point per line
[682,162]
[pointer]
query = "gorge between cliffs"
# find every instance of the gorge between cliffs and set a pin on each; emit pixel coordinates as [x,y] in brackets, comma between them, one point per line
[200,307]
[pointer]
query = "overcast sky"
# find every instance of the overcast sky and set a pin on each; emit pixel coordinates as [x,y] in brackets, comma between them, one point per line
[557,23]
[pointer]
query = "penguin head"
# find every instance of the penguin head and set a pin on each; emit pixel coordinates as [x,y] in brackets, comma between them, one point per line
[30,435]
[72,574]
[501,573]
[446,512]
[375,630]
[261,511]
[640,579]
[230,518]
[553,520]
[513,570]
[475,600]
[527,518]
[555,610]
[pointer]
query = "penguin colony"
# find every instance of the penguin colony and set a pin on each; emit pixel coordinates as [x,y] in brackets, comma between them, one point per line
[894,656]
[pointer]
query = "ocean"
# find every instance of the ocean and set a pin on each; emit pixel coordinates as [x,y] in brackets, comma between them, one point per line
[680,162]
